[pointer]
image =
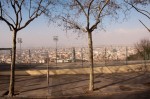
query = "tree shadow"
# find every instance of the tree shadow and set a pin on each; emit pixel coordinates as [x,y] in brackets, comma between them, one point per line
[114,83]
[30,78]
[145,94]
[60,84]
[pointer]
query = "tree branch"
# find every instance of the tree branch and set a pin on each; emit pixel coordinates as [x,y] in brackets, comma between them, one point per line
[8,23]
[28,22]
[37,9]
[145,26]
[88,15]
[20,19]
[145,11]
[98,17]
[13,5]
[3,12]
[73,24]
[20,14]
[138,10]
[36,13]
[81,6]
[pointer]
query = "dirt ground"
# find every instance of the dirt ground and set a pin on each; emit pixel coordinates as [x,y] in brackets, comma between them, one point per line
[134,85]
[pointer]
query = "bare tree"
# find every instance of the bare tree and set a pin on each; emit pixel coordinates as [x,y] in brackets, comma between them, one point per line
[18,14]
[143,48]
[86,16]
[139,6]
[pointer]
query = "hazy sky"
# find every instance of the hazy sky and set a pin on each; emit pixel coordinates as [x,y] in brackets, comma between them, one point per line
[40,34]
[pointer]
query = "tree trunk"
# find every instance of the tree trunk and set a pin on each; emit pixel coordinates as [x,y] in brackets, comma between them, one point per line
[12,71]
[90,43]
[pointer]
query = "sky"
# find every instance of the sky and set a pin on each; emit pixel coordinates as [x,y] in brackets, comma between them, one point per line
[40,34]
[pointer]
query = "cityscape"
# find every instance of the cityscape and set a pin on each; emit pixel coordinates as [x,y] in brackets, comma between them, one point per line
[40,55]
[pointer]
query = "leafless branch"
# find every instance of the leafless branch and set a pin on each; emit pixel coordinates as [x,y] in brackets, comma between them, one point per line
[98,17]
[28,22]
[88,14]
[139,10]
[7,22]
[36,10]
[9,17]
[145,26]
[73,25]
[81,6]
[40,10]
[13,5]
